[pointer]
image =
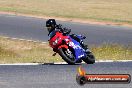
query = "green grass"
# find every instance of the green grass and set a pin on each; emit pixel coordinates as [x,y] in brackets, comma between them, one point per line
[16,51]
[119,11]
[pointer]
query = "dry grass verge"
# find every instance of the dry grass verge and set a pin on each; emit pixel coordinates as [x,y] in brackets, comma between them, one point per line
[16,51]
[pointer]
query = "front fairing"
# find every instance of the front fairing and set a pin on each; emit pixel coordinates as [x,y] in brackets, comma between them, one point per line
[55,39]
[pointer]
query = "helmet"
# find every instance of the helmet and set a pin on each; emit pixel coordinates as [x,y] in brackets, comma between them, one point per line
[50,24]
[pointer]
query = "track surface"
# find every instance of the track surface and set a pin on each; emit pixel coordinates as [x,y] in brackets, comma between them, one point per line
[33,28]
[59,76]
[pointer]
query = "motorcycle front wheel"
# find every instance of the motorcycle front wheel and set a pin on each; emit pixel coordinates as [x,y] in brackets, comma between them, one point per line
[67,55]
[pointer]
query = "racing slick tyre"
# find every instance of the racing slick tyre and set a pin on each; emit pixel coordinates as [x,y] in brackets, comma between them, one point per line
[67,56]
[90,59]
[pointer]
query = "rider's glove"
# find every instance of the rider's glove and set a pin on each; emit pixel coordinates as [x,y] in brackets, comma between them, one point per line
[59,26]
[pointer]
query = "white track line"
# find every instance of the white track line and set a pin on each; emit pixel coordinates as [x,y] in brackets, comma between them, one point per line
[23,39]
[65,62]
[22,64]
[99,61]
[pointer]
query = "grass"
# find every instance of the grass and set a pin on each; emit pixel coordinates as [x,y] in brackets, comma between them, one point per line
[118,11]
[112,52]
[16,51]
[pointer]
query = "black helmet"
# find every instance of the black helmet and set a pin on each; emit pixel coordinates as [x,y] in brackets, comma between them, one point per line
[50,24]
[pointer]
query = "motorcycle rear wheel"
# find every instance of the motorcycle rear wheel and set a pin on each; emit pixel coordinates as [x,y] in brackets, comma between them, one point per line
[90,59]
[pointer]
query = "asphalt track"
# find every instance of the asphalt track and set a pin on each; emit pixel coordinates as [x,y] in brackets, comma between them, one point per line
[34,29]
[60,76]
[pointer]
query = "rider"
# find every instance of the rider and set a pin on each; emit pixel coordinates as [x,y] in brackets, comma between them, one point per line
[52,26]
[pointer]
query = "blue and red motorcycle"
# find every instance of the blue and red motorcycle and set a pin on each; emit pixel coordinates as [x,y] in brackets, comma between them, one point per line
[69,49]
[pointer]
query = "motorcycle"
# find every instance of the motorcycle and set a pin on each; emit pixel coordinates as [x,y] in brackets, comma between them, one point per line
[69,49]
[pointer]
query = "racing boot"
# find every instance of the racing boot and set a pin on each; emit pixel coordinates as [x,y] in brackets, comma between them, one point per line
[85,47]
[82,44]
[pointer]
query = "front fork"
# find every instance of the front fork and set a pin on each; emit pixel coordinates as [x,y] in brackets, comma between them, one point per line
[62,46]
